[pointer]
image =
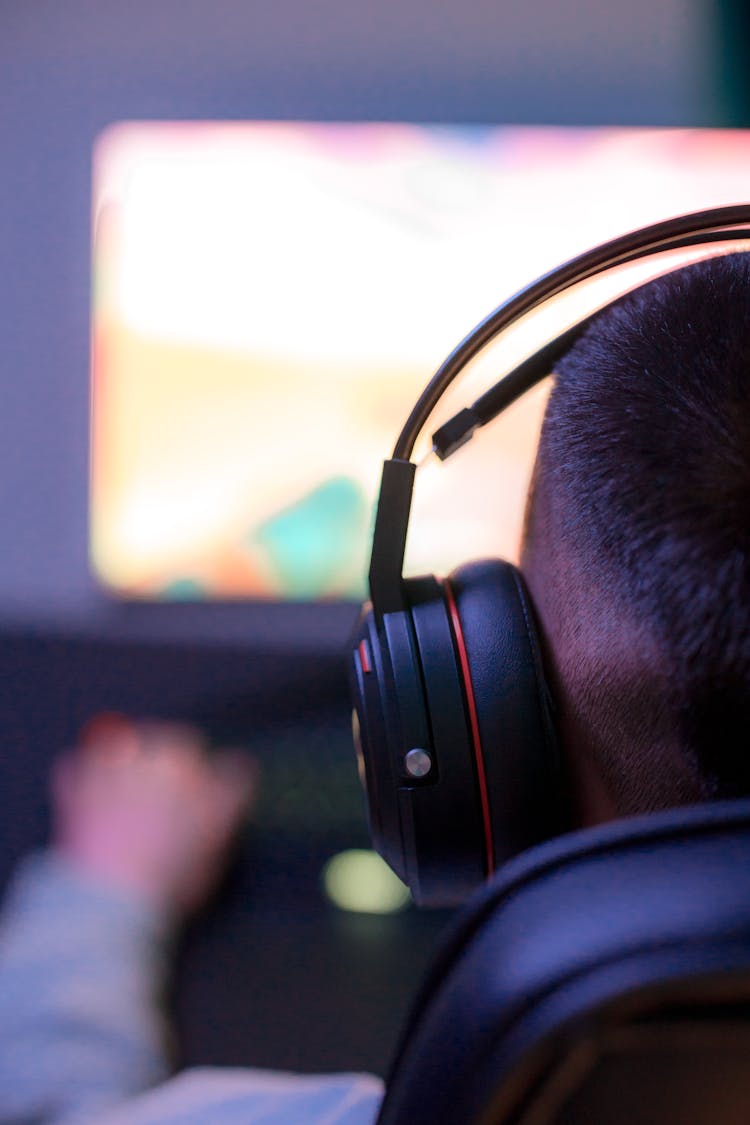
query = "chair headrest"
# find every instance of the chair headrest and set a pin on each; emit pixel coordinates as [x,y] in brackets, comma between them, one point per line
[628,926]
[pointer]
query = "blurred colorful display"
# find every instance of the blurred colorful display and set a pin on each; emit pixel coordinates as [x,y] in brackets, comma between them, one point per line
[270,298]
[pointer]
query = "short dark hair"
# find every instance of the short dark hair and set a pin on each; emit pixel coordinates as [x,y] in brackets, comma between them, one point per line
[647,442]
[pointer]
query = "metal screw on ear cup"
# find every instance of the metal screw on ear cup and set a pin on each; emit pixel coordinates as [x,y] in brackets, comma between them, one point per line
[418,762]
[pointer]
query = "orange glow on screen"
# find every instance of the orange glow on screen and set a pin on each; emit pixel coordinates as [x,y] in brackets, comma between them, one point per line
[269,300]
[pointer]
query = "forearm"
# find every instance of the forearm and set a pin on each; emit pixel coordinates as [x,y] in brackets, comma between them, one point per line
[81,975]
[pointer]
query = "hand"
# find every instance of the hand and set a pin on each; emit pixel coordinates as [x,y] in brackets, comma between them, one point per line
[143,806]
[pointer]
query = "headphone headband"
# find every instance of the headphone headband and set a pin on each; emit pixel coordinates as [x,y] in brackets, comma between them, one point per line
[700,227]
[719,224]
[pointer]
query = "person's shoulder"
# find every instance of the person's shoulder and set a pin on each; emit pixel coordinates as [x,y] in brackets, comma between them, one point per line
[233,1095]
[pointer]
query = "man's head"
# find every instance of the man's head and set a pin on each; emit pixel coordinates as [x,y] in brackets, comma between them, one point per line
[637,549]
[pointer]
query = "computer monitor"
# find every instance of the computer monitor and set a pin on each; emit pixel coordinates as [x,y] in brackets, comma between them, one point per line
[269,300]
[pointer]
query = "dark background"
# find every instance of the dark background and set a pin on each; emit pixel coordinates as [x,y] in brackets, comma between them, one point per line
[273,976]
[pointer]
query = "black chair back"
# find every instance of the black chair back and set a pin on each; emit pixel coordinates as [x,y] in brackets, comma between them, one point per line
[600,979]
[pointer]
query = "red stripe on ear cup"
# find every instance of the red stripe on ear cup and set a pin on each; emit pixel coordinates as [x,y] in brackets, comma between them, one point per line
[476,738]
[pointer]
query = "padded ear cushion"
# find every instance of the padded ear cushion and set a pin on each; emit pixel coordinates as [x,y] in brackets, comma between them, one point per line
[494,622]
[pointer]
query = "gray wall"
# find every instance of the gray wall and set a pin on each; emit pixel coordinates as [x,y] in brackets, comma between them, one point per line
[69,67]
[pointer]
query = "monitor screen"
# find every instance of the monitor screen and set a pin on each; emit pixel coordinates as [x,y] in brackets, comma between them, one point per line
[270,298]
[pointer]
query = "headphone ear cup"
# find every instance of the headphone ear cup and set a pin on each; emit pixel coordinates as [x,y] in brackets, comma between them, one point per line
[500,655]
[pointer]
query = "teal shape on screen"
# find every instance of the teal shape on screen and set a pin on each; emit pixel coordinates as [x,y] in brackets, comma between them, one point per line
[184,589]
[317,546]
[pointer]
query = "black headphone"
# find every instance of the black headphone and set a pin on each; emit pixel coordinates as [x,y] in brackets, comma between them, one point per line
[452,717]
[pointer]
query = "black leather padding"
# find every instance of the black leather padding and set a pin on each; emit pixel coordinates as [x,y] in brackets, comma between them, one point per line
[525,788]
[626,946]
